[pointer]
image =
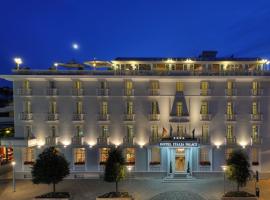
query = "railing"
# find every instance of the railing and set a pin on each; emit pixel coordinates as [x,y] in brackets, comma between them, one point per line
[52,117]
[77,92]
[256,140]
[129,117]
[231,92]
[78,117]
[206,117]
[102,140]
[153,92]
[205,92]
[256,92]
[51,141]
[26,116]
[77,140]
[128,92]
[52,91]
[154,117]
[103,92]
[24,92]
[231,117]
[128,140]
[256,117]
[103,117]
[230,141]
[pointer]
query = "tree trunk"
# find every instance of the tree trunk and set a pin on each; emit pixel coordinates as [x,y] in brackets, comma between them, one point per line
[116,186]
[53,187]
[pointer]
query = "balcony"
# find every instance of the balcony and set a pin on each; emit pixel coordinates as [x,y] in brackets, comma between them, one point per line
[51,140]
[257,140]
[103,141]
[153,92]
[18,142]
[103,117]
[77,92]
[204,140]
[256,117]
[77,117]
[230,141]
[179,119]
[129,117]
[257,92]
[128,92]
[154,117]
[230,117]
[206,117]
[77,140]
[103,92]
[205,92]
[24,92]
[52,117]
[26,116]
[52,92]
[230,92]
[154,140]
[128,141]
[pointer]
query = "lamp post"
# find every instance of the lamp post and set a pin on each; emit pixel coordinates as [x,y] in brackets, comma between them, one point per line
[13,163]
[224,168]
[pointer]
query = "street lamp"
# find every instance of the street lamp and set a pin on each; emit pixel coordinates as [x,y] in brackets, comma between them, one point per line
[18,62]
[13,163]
[224,168]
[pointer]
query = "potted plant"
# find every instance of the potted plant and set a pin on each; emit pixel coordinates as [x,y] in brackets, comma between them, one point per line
[51,167]
[115,172]
[238,170]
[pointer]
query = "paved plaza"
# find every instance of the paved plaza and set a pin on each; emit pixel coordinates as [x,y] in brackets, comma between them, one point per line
[141,189]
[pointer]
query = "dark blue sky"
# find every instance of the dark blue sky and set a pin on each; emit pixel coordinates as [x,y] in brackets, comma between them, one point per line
[42,31]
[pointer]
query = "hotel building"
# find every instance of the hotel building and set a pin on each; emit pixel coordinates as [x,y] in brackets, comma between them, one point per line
[169,115]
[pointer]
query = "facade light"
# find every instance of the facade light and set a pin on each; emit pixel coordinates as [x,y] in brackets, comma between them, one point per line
[18,61]
[75,46]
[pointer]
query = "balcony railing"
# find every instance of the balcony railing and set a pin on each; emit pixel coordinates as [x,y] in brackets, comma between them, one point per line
[257,92]
[204,140]
[128,141]
[231,92]
[77,92]
[230,141]
[51,140]
[24,91]
[230,117]
[153,92]
[154,140]
[256,140]
[103,92]
[77,140]
[128,92]
[129,117]
[206,117]
[52,117]
[103,141]
[103,117]
[154,117]
[77,117]
[256,117]
[205,92]
[26,116]
[52,91]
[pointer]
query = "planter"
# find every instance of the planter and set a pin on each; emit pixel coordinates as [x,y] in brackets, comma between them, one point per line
[241,195]
[116,198]
[111,195]
[51,198]
[239,198]
[59,196]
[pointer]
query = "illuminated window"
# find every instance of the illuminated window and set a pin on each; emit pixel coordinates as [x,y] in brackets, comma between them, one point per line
[26,84]
[205,131]
[104,155]
[230,87]
[228,153]
[104,131]
[154,108]
[27,106]
[52,107]
[79,107]
[154,85]
[155,156]
[130,131]
[255,156]
[154,131]
[77,84]
[28,155]
[130,155]
[179,86]
[255,86]
[104,108]
[204,87]
[204,108]
[103,84]
[180,131]
[79,130]
[129,108]
[204,156]
[128,87]
[229,109]
[229,131]
[255,131]
[179,109]
[79,156]
[255,109]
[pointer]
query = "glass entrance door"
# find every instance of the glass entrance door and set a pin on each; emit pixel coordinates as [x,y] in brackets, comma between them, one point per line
[180,160]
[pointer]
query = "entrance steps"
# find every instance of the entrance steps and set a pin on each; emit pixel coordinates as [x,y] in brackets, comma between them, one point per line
[178,177]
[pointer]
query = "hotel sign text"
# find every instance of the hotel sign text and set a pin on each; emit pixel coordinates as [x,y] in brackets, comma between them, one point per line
[178,144]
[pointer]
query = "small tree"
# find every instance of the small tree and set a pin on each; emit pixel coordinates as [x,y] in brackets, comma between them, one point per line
[50,167]
[114,167]
[238,168]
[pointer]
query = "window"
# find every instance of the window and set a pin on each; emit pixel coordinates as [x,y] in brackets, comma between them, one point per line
[205,131]
[179,86]
[154,108]
[154,85]
[179,109]
[204,156]
[104,131]
[230,86]
[255,156]
[128,87]
[180,131]
[204,87]
[79,156]
[28,132]
[51,84]
[155,156]
[255,86]
[77,84]
[104,108]
[154,131]
[78,107]
[255,131]
[130,132]
[255,108]
[104,155]
[103,84]
[229,131]
[129,107]
[26,84]
[228,153]
[29,156]
[79,131]
[52,107]
[53,131]
[27,106]
[229,110]
[130,156]
[204,108]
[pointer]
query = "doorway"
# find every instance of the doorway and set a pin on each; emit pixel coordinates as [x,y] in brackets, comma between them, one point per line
[180,160]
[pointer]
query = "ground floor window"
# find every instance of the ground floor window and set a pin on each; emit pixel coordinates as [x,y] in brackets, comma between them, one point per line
[155,156]
[204,157]
[79,156]
[228,153]
[103,155]
[130,156]
[255,156]
[28,156]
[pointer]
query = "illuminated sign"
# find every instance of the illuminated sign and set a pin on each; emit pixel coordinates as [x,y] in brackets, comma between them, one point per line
[178,144]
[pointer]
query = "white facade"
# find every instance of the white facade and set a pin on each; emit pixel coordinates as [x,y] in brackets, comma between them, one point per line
[65,110]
